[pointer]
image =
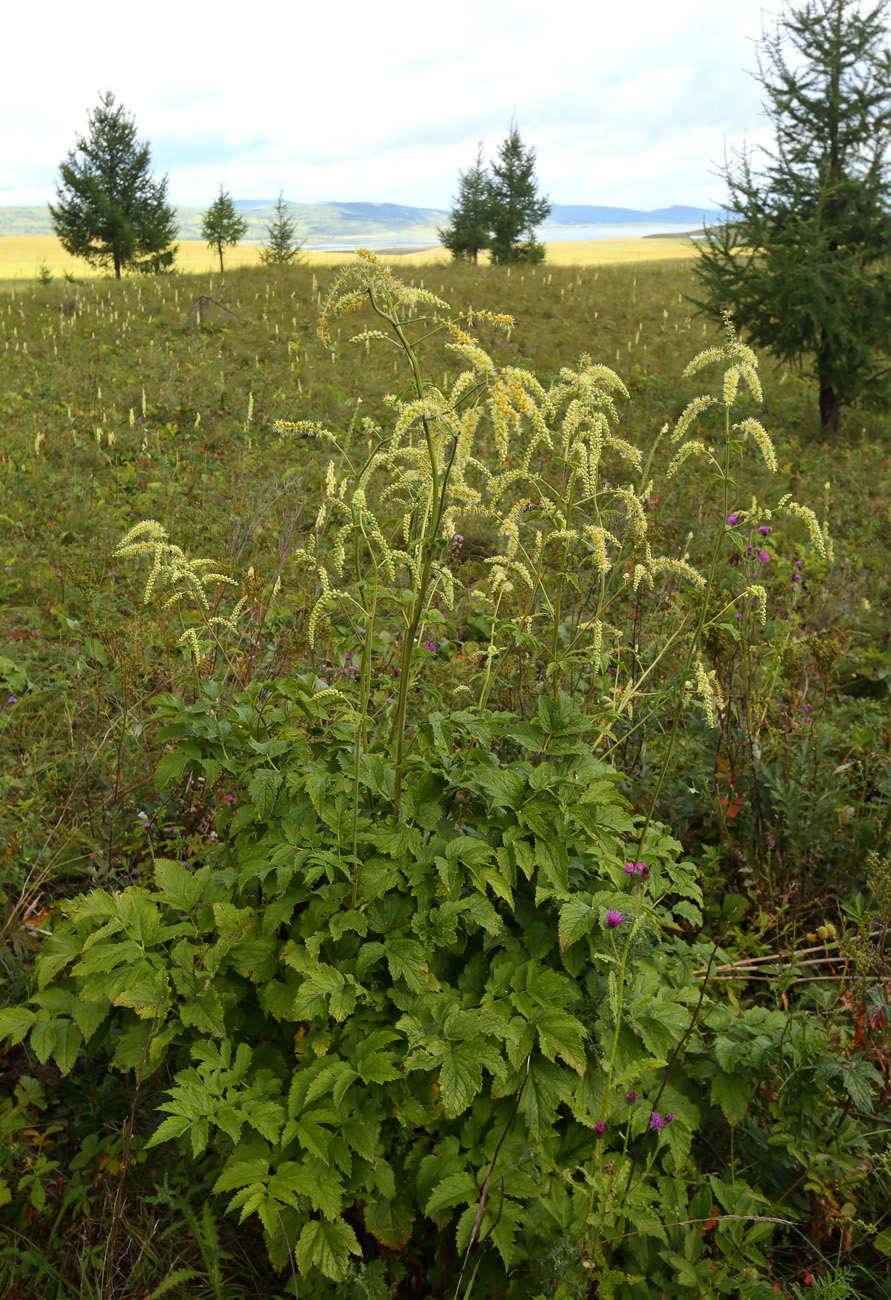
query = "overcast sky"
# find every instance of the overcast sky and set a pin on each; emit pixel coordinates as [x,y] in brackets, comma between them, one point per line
[626,103]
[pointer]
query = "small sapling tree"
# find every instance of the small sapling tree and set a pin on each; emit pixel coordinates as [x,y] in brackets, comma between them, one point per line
[110,210]
[803,264]
[222,226]
[282,247]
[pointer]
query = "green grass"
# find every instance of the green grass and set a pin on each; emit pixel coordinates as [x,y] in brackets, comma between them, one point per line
[115,408]
[75,474]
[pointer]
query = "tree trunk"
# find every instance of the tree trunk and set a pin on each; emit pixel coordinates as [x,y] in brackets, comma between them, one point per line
[830,407]
[117,265]
[220,251]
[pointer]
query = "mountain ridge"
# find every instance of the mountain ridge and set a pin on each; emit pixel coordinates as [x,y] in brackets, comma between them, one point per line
[351,220]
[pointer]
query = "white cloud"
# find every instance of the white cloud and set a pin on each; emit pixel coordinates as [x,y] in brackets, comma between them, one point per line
[626,104]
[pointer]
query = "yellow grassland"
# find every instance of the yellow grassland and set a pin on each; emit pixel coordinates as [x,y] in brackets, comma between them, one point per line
[21,256]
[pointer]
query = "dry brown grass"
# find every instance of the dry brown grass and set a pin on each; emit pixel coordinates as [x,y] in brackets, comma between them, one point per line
[22,255]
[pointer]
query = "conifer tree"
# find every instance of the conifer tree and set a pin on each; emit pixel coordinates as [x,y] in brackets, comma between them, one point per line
[802,262]
[110,210]
[515,208]
[222,226]
[469,230]
[282,247]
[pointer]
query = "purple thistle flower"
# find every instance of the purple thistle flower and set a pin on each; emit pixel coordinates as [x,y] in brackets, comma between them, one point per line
[669,1118]
[657,1122]
[731,519]
[765,531]
[614,919]
[600,1128]
[763,556]
[631,1097]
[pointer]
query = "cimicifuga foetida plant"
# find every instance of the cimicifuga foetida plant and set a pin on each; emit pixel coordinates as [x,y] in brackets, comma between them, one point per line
[429,1001]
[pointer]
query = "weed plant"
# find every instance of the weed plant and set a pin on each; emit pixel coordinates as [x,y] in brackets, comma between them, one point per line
[390,913]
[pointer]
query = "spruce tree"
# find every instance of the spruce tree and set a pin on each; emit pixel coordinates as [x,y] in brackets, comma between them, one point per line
[110,210]
[515,208]
[222,226]
[282,246]
[469,228]
[802,262]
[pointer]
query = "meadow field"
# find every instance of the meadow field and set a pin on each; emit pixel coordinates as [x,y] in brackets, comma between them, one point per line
[461,818]
[22,256]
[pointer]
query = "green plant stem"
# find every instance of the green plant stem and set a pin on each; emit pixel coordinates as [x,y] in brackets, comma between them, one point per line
[694,640]
[425,544]
[558,599]
[362,728]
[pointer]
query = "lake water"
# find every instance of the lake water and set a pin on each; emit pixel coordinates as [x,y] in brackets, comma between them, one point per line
[547,235]
[631,230]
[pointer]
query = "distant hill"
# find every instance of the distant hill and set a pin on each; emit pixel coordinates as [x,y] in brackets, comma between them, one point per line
[317,222]
[325,223]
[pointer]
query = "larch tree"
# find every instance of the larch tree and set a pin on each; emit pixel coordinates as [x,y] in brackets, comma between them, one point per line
[282,247]
[515,207]
[469,229]
[222,227]
[802,260]
[110,210]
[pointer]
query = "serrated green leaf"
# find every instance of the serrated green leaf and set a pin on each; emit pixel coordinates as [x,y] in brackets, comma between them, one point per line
[505,789]
[661,1025]
[88,1016]
[553,862]
[407,960]
[327,1247]
[172,1127]
[240,1173]
[179,886]
[43,1040]
[205,1013]
[460,1078]
[15,1023]
[728,1052]
[732,1093]
[637,1070]
[170,768]
[563,716]
[64,947]
[457,1189]
[390,1222]
[378,1067]
[263,789]
[67,1045]
[577,918]
[560,1034]
[289,1182]
[267,1117]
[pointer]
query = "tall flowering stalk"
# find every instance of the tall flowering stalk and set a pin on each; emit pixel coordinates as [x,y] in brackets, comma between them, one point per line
[472,447]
